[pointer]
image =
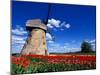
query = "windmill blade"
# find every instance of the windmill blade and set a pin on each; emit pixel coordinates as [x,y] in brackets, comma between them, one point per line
[48,14]
[46,22]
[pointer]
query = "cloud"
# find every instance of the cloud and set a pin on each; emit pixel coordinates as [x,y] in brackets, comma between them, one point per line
[17,43]
[66,48]
[19,40]
[67,25]
[19,36]
[57,24]
[16,48]
[55,45]
[49,25]
[19,30]
[92,41]
[50,41]
[63,23]
[54,22]
[49,37]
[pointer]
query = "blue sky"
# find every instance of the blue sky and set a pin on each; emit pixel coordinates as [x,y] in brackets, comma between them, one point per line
[68,25]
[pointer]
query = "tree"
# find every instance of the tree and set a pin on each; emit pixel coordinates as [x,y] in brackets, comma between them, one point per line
[86,47]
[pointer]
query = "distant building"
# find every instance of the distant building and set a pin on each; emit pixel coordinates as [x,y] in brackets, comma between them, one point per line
[36,42]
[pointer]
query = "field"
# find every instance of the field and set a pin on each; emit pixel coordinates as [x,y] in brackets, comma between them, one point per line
[52,63]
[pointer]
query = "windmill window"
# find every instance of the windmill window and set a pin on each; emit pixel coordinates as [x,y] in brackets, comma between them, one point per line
[43,37]
[43,43]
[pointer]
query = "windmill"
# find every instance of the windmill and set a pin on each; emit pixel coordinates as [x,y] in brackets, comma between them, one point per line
[36,42]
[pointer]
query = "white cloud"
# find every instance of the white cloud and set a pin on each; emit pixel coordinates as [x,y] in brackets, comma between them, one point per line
[20,42]
[50,41]
[18,38]
[17,43]
[63,23]
[92,41]
[16,48]
[54,22]
[57,24]
[19,30]
[67,25]
[49,37]
[49,25]
[56,47]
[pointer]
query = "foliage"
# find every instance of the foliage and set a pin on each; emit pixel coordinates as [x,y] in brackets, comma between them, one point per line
[86,47]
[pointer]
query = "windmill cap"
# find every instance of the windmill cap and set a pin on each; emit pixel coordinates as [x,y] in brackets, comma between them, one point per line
[36,23]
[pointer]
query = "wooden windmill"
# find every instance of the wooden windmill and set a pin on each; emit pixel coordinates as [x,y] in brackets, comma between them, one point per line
[36,42]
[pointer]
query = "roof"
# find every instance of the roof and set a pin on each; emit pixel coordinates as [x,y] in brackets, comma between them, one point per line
[36,23]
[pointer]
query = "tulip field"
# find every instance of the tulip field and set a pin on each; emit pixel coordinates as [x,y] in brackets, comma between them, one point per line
[52,63]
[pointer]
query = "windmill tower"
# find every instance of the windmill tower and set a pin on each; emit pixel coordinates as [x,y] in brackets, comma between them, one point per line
[36,42]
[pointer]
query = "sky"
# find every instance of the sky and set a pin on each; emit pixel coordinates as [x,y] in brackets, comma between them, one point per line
[68,25]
